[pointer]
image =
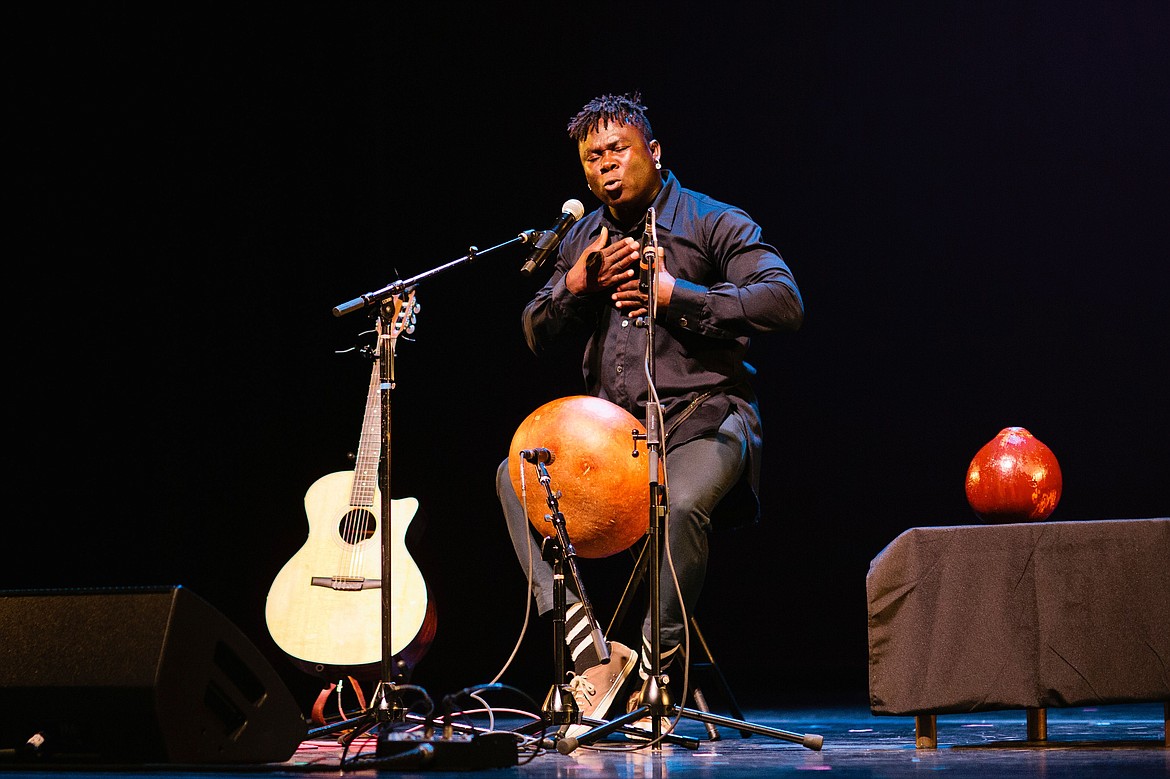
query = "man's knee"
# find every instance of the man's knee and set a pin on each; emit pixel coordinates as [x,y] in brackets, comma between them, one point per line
[691,509]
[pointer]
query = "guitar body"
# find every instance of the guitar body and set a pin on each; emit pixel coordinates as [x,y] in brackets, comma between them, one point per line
[324,608]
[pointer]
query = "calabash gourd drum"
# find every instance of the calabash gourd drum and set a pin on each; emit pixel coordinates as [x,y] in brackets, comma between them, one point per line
[604,488]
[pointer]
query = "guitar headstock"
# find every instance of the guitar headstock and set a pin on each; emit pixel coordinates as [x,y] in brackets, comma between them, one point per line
[402,318]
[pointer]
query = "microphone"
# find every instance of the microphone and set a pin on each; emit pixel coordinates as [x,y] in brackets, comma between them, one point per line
[649,250]
[541,455]
[645,263]
[548,241]
[646,266]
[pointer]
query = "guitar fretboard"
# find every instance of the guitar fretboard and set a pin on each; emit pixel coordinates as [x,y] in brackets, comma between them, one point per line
[365,473]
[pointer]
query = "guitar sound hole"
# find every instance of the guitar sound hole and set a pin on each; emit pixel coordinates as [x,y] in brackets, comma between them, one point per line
[357,526]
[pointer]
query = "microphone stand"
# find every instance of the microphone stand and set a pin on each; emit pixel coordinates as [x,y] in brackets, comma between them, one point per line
[560,707]
[386,707]
[655,697]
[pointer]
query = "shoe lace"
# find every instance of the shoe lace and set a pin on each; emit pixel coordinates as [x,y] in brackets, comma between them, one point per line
[582,688]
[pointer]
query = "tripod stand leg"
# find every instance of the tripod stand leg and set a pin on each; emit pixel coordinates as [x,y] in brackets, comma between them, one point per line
[337,727]
[623,724]
[810,740]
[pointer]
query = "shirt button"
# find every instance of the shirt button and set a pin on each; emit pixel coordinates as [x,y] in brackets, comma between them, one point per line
[625,323]
[682,321]
[619,369]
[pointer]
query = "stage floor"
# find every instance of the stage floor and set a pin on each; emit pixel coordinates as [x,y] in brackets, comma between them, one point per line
[1109,741]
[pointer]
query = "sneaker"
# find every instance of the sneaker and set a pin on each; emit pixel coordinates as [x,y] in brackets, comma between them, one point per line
[596,689]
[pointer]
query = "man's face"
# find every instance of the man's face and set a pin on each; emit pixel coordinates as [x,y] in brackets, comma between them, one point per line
[619,168]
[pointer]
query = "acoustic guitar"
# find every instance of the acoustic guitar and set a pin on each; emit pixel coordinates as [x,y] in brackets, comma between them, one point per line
[324,608]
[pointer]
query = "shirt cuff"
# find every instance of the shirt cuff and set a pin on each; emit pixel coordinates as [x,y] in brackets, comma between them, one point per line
[688,306]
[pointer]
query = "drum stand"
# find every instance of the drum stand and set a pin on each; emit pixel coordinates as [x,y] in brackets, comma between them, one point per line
[655,698]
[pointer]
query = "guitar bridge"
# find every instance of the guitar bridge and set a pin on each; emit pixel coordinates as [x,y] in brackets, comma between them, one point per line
[346,583]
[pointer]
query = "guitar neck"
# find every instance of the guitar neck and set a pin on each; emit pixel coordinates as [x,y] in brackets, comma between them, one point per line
[397,318]
[365,476]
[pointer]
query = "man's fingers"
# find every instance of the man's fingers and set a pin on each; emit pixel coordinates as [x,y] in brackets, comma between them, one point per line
[599,242]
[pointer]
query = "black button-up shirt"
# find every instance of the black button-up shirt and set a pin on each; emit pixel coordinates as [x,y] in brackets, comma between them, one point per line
[730,285]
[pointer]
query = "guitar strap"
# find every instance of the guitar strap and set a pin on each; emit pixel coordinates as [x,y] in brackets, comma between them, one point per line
[318,716]
[319,705]
[357,689]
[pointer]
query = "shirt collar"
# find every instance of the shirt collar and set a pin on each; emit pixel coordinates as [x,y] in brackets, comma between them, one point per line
[665,206]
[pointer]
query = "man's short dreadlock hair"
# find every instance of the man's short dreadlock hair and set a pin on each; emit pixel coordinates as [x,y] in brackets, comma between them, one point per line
[600,111]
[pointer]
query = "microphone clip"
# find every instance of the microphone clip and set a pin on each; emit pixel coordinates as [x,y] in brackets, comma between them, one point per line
[648,262]
[540,456]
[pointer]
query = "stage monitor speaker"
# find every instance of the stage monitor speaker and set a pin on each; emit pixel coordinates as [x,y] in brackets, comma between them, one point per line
[136,675]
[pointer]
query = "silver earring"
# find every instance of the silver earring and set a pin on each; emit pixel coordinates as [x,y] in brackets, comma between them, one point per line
[657,165]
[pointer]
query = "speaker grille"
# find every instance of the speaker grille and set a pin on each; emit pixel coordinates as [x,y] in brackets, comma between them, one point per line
[138,675]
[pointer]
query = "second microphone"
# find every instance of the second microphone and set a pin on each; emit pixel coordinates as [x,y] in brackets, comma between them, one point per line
[547,242]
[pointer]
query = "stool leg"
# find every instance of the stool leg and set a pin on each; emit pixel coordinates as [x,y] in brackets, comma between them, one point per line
[701,702]
[731,702]
[1037,724]
[926,731]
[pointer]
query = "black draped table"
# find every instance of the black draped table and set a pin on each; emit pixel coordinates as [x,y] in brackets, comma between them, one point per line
[1019,616]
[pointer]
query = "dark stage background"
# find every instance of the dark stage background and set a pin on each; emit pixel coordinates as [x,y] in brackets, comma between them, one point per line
[973,197]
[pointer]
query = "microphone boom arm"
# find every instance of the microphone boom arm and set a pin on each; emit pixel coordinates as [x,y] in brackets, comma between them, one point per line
[400,286]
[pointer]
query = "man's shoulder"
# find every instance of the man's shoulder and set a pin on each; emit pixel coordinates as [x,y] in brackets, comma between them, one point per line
[701,204]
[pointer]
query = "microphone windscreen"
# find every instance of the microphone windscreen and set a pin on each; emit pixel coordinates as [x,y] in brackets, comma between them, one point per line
[574,207]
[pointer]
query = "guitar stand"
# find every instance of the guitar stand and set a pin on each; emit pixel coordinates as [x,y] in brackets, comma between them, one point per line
[560,707]
[385,707]
[655,700]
